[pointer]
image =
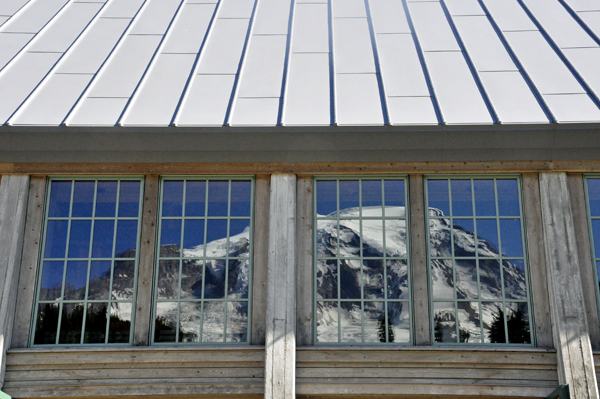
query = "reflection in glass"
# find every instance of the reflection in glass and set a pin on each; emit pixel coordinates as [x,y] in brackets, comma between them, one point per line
[469,328]
[489,277]
[126,243]
[517,323]
[83,199]
[372,238]
[596,235]
[190,316]
[487,237]
[394,193]
[214,279]
[103,239]
[327,241]
[395,238]
[465,274]
[216,237]
[95,323]
[195,198]
[350,287]
[438,198]
[464,243]
[375,327]
[372,194]
[123,280]
[213,322]
[439,237]
[327,322]
[170,238]
[56,238]
[99,279]
[120,323]
[165,322]
[511,240]
[240,198]
[129,199]
[444,322]
[237,280]
[485,198]
[442,279]
[593,187]
[60,199]
[397,279]
[168,279]
[191,279]
[79,239]
[106,199]
[237,321]
[76,280]
[515,285]
[327,279]
[493,322]
[52,279]
[326,197]
[239,237]
[71,323]
[350,322]
[508,197]
[398,322]
[172,201]
[349,242]
[193,238]
[462,197]
[348,195]
[373,283]
[218,198]
[46,324]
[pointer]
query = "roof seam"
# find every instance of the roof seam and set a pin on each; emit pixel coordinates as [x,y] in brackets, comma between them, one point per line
[580,21]
[332,69]
[380,80]
[288,53]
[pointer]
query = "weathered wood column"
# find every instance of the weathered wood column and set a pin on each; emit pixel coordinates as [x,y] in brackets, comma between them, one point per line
[280,362]
[13,207]
[567,305]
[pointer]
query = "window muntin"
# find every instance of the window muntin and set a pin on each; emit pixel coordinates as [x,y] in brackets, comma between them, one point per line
[478,271]
[89,260]
[362,274]
[204,261]
[592,193]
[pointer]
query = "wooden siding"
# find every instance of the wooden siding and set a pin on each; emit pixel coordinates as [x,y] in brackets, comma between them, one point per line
[431,372]
[135,371]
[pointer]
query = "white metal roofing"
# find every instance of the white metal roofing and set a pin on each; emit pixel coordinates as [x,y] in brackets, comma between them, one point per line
[298,62]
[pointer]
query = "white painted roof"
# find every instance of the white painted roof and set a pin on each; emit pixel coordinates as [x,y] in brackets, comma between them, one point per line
[298,62]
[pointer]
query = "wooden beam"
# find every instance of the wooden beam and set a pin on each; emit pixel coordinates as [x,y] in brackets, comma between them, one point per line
[304,261]
[29,261]
[537,260]
[418,259]
[143,306]
[13,208]
[261,258]
[571,334]
[280,344]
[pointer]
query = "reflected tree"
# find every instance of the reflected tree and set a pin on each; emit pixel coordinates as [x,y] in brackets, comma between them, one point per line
[381,330]
[497,334]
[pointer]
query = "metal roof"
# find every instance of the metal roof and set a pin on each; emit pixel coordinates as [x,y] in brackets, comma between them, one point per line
[298,62]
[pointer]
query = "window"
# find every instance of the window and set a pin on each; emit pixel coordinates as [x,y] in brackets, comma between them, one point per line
[204,261]
[592,185]
[477,265]
[362,268]
[87,279]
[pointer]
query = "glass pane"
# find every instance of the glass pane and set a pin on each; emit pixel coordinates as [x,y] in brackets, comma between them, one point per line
[71,323]
[191,279]
[397,279]
[168,279]
[350,279]
[508,197]
[511,240]
[485,199]
[373,282]
[394,193]
[442,279]
[596,233]
[218,198]
[465,272]
[216,237]
[214,279]
[79,240]
[399,322]
[327,242]
[104,231]
[375,325]
[213,322]
[395,238]
[241,192]
[464,242]
[120,323]
[489,279]
[327,322]
[195,198]
[239,238]
[190,316]
[517,322]
[76,280]
[172,204]
[349,243]
[52,280]
[129,199]
[165,322]
[95,323]
[99,279]
[444,321]
[326,198]
[83,199]
[47,324]
[349,196]
[170,238]
[123,280]
[493,322]
[372,198]
[237,322]
[351,322]
[469,327]
[487,236]
[593,186]
[515,285]
[439,237]
[56,238]
[126,243]
[238,279]
[106,199]
[327,279]
[437,197]
[193,238]
[462,198]
[372,237]
[60,199]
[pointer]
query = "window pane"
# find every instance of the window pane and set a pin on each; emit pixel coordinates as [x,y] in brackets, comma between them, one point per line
[372,197]
[95,323]
[165,322]
[218,198]
[190,318]
[508,197]
[397,279]
[170,237]
[168,279]
[172,201]
[485,198]
[240,198]
[593,186]
[511,240]
[60,199]
[438,197]
[191,279]
[350,322]
[83,198]
[193,238]
[56,238]
[462,198]
[76,280]
[237,286]
[129,199]
[444,322]
[327,322]
[120,323]
[327,279]
[326,197]
[79,238]
[195,198]
[52,279]
[394,193]
[123,280]
[46,324]
[237,321]
[104,231]
[106,201]
[465,273]
[376,327]
[213,322]
[398,315]
[126,244]
[349,196]
[469,327]
[71,323]
[99,279]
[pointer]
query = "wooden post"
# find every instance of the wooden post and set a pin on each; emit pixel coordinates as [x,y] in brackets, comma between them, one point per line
[280,347]
[570,330]
[13,207]
[261,258]
[304,261]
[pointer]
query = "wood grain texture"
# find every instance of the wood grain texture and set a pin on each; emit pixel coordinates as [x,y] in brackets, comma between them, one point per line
[261,258]
[29,261]
[569,321]
[143,306]
[280,345]
[304,261]
[14,192]
[537,261]
[586,266]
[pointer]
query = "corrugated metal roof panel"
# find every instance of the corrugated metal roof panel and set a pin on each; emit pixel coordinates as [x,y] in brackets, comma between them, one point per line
[298,62]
